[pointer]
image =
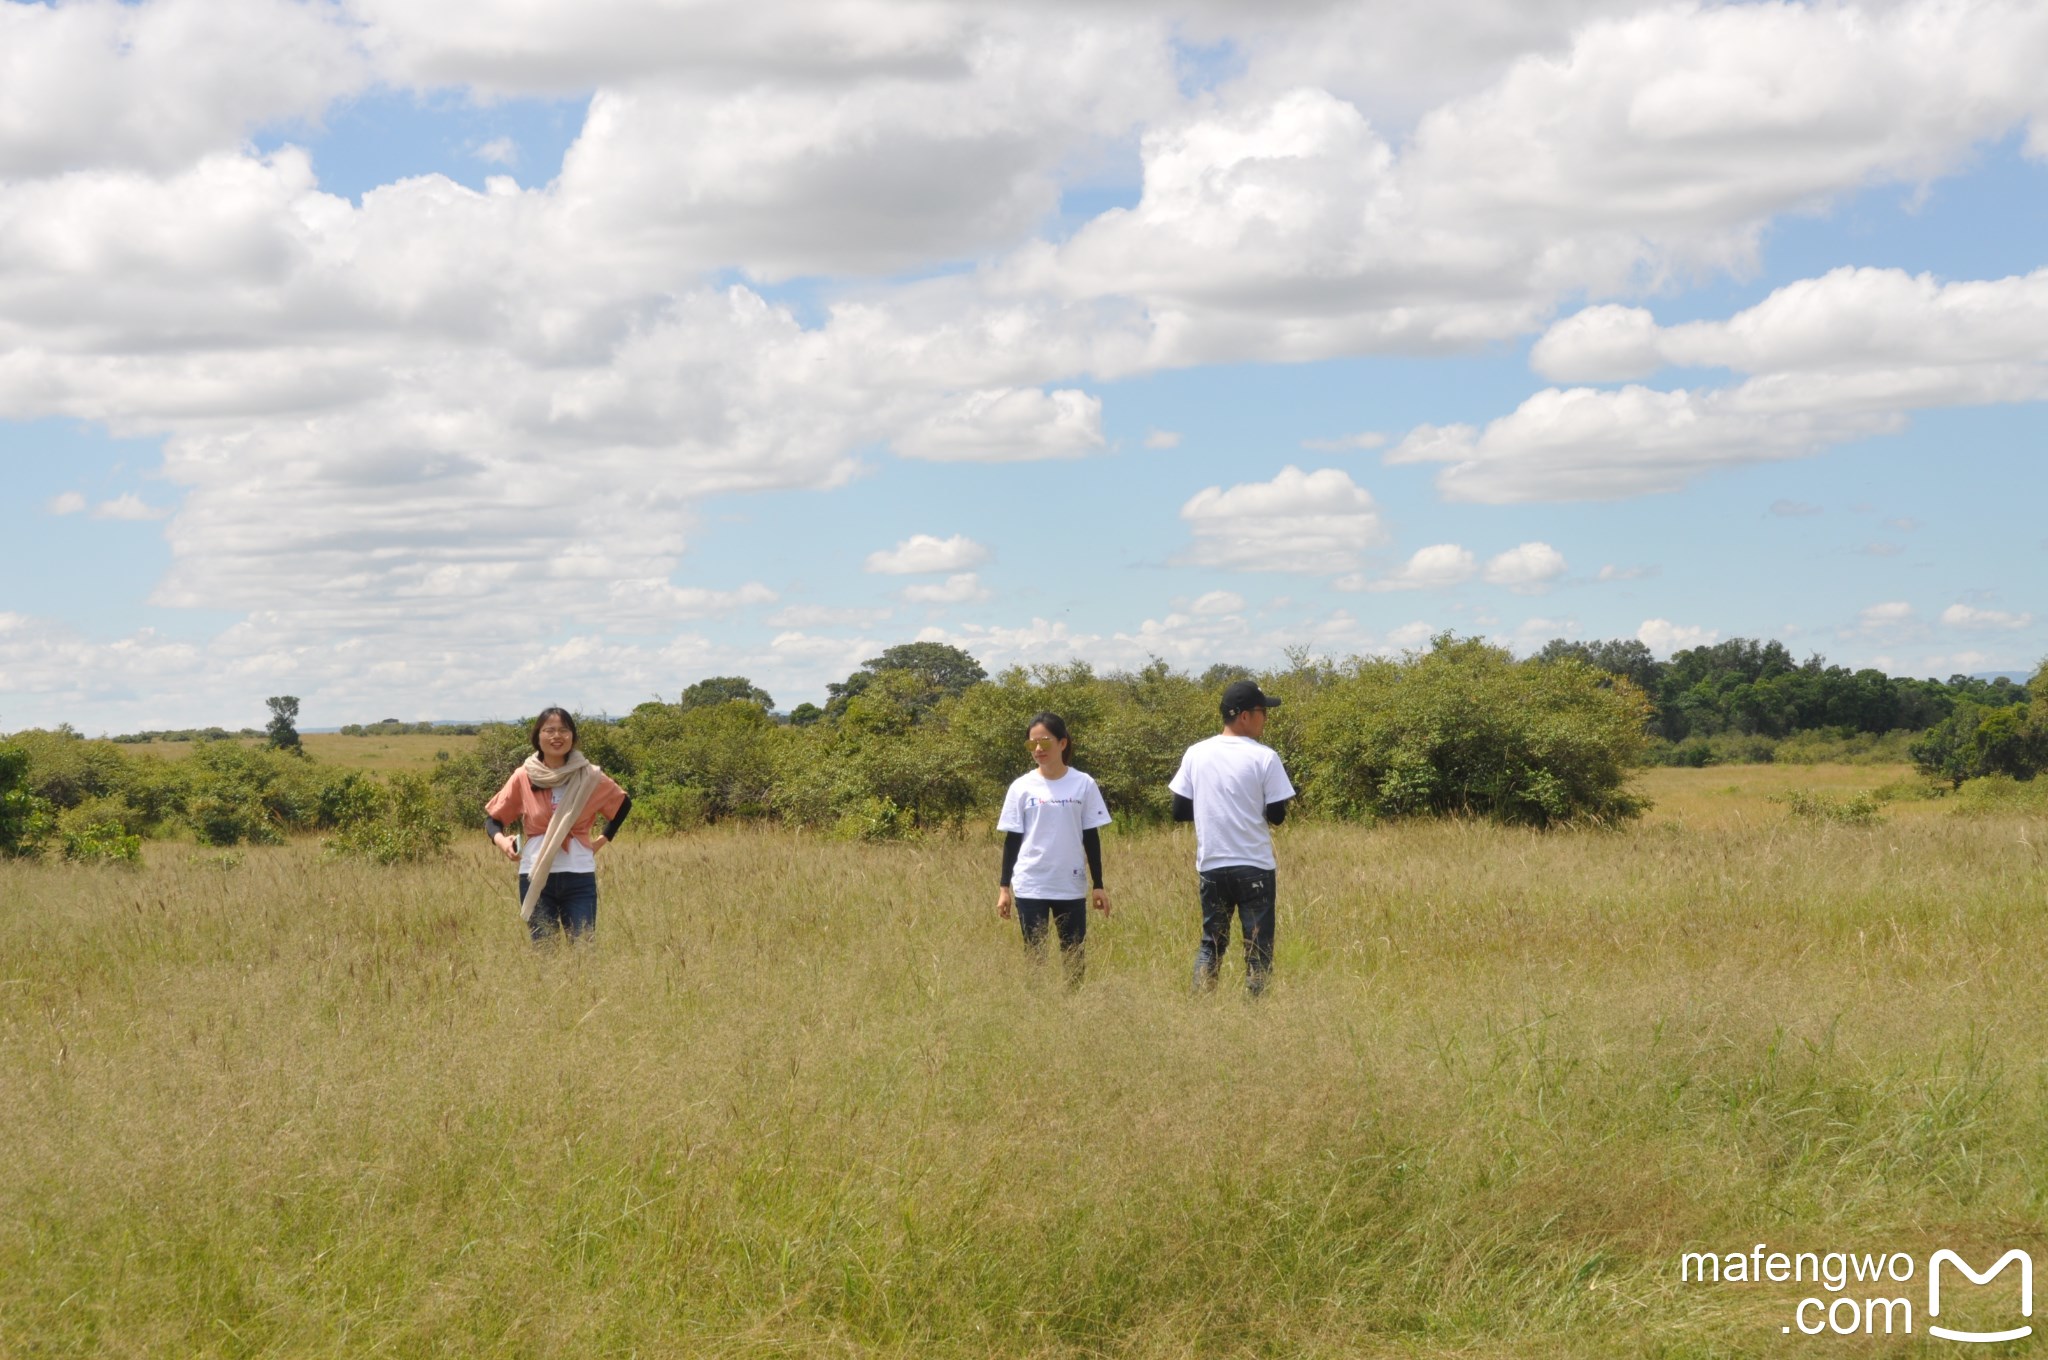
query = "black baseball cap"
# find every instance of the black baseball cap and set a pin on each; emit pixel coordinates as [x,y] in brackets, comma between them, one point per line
[1241,695]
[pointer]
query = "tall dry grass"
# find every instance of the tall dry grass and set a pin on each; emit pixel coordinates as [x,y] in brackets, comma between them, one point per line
[809,1098]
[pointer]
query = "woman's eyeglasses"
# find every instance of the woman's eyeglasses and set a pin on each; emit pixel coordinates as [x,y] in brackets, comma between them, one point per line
[1042,743]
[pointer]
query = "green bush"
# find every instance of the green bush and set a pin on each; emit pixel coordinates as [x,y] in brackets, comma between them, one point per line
[103,843]
[2002,795]
[256,794]
[114,811]
[25,819]
[1912,789]
[725,752]
[1463,728]
[1864,809]
[1840,746]
[1976,740]
[65,769]
[670,811]
[1722,748]
[230,816]
[886,749]
[876,819]
[468,781]
[401,824]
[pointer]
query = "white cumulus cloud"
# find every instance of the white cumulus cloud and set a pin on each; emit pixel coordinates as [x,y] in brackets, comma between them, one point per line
[128,506]
[1664,637]
[1007,425]
[1527,569]
[1830,359]
[1984,620]
[1315,522]
[1436,567]
[921,553]
[157,85]
[963,587]
[1217,602]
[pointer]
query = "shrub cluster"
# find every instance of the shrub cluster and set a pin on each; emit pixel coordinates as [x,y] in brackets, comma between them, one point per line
[1465,728]
[1864,809]
[1461,728]
[1977,741]
[1814,746]
[400,822]
[921,737]
[96,797]
[392,727]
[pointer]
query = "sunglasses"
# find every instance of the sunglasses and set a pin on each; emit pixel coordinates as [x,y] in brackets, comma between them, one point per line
[1042,743]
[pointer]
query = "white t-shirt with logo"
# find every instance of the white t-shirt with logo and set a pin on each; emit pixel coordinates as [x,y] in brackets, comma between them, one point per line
[573,858]
[1231,779]
[1052,814]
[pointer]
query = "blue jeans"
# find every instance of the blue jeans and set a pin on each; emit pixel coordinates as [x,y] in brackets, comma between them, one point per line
[1069,916]
[1248,891]
[568,903]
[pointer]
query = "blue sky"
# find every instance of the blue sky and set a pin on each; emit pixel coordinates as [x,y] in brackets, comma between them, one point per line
[452,364]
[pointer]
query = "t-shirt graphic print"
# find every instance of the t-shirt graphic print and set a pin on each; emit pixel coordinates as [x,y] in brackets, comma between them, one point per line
[1052,814]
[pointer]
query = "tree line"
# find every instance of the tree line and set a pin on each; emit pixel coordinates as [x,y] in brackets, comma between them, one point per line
[1745,699]
[921,736]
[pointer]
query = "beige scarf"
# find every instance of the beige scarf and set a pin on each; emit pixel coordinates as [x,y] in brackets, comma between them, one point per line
[573,784]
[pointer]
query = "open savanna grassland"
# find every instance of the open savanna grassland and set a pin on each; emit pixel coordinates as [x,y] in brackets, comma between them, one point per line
[416,751]
[808,1097]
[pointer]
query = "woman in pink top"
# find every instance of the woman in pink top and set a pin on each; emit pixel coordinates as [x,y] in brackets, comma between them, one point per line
[556,797]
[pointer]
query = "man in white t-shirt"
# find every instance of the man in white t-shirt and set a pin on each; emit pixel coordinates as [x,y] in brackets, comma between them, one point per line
[1232,787]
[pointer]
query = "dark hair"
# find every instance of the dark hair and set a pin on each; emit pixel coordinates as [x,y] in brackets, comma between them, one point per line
[569,722]
[1055,724]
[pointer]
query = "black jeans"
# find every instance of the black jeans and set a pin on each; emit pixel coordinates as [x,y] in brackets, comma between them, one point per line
[1069,916]
[568,903]
[1248,891]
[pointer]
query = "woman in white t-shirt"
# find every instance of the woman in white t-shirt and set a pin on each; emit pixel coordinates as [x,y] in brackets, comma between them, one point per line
[1052,856]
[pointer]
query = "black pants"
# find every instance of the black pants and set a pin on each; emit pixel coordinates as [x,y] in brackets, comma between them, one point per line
[1249,892]
[1069,916]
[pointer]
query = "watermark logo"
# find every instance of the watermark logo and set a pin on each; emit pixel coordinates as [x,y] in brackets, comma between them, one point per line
[1876,1308]
[1934,1264]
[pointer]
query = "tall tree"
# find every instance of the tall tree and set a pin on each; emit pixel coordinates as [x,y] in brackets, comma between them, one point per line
[940,670]
[284,721]
[725,689]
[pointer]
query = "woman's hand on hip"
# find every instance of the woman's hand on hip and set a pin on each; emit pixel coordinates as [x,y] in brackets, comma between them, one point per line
[599,842]
[508,847]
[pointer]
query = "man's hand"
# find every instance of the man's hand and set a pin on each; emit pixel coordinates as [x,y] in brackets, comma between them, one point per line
[1006,901]
[1102,900]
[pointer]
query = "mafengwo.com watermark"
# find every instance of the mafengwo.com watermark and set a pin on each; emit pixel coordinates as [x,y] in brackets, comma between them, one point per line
[1884,1293]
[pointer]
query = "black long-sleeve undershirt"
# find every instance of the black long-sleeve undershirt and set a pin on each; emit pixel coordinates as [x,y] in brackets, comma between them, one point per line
[495,828]
[1184,810]
[1091,846]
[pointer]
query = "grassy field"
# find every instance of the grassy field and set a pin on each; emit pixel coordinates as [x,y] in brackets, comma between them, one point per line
[411,751]
[805,1097]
